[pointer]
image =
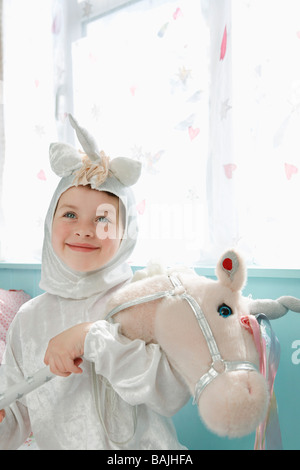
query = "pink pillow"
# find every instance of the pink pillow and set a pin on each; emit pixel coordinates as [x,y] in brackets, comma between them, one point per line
[10,302]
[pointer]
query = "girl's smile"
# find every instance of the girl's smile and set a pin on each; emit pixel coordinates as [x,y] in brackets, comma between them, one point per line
[83,247]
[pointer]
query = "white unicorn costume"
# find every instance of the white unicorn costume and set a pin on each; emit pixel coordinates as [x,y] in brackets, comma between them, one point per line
[127,391]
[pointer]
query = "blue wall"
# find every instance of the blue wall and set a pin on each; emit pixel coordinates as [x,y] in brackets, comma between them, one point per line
[261,284]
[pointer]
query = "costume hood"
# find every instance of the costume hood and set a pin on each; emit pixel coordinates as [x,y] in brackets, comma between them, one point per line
[114,176]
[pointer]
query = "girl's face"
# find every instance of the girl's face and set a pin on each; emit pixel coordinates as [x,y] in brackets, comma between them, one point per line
[86,231]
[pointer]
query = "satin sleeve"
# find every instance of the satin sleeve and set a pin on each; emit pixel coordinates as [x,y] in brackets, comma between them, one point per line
[139,373]
[15,428]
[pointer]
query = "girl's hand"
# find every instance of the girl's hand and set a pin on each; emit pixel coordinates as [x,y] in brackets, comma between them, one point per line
[2,415]
[64,350]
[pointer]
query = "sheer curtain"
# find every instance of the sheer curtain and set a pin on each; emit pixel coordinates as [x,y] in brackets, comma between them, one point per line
[27,181]
[266,84]
[2,140]
[141,84]
[162,93]
[221,188]
[254,155]
[205,93]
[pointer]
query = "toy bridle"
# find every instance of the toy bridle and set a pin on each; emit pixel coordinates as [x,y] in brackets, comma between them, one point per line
[218,365]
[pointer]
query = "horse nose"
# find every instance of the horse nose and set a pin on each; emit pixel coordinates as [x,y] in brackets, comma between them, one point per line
[235,403]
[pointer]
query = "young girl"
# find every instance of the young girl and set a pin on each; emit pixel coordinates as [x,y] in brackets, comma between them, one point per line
[123,392]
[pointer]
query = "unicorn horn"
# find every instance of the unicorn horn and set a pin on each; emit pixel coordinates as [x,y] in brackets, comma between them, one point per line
[87,141]
[275,308]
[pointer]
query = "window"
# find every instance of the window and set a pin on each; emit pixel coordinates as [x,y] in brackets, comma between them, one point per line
[204,93]
[29,126]
[140,81]
[266,119]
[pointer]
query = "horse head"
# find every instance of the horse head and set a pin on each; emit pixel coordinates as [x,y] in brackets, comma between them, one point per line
[207,330]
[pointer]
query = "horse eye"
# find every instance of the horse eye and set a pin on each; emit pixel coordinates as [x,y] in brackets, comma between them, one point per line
[224,311]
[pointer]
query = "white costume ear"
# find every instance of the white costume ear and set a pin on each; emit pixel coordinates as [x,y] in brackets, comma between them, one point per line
[231,270]
[126,170]
[87,141]
[64,159]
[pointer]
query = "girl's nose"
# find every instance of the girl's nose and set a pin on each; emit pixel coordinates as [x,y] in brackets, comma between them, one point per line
[84,232]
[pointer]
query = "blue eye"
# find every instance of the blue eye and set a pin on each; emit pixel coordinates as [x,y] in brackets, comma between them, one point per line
[224,311]
[69,215]
[102,219]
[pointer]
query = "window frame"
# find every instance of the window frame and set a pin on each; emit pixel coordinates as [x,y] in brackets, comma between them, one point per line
[100,8]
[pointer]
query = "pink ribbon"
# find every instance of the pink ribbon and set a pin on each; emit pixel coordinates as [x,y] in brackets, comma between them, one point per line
[268,433]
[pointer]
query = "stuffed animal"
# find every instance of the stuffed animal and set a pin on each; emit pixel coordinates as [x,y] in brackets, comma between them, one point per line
[227,356]
[211,337]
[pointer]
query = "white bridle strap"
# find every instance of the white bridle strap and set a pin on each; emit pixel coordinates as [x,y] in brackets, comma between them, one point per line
[206,330]
[219,365]
[139,301]
[217,360]
[229,366]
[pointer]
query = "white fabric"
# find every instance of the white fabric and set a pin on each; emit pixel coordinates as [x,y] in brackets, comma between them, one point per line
[59,279]
[62,413]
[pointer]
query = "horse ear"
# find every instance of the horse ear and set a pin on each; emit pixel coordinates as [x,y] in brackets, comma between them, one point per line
[231,270]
